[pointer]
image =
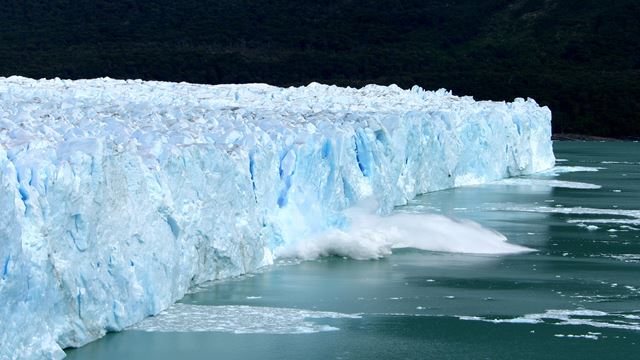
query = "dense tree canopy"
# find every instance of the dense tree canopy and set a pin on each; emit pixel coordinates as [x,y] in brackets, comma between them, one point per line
[579,57]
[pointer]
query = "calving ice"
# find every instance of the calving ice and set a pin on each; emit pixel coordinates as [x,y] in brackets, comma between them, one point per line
[117,196]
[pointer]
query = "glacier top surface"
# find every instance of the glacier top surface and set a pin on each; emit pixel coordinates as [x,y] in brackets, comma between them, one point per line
[117,196]
[150,115]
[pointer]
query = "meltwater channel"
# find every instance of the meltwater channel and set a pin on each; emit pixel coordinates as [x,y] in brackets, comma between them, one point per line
[576,296]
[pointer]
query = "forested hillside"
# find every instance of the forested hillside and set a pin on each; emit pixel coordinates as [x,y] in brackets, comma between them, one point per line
[579,57]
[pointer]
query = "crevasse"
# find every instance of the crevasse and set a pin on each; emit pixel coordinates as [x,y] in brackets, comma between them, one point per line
[117,196]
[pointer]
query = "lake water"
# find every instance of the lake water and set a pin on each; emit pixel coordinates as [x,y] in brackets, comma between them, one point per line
[577,296]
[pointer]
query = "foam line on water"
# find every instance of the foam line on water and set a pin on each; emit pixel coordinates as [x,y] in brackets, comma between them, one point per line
[589,335]
[238,320]
[593,318]
[570,169]
[605,221]
[627,258]
[571,210]
[370,236]
[619,162]
[547,182]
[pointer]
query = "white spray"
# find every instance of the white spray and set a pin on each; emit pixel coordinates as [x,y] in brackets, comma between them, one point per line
[370,236]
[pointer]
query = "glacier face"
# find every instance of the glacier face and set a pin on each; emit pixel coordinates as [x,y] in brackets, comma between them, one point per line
[117,196]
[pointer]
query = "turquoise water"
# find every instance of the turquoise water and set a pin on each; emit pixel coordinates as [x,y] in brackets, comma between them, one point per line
[576,296]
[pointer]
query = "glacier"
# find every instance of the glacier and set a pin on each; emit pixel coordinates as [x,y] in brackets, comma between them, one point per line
[117,196]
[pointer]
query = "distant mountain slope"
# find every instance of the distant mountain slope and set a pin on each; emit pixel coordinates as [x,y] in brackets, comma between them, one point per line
[580,57]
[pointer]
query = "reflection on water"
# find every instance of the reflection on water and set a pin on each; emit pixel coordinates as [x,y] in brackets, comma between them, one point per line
[576,296]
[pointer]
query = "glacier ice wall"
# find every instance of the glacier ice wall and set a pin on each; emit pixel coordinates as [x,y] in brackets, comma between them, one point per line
[117,196]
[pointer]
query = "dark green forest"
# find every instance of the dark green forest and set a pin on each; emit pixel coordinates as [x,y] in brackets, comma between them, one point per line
[579,57]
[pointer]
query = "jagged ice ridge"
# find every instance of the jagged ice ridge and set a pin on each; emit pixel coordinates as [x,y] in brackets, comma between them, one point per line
[117,196]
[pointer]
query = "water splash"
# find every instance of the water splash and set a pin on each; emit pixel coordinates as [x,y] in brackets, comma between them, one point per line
[370,236]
